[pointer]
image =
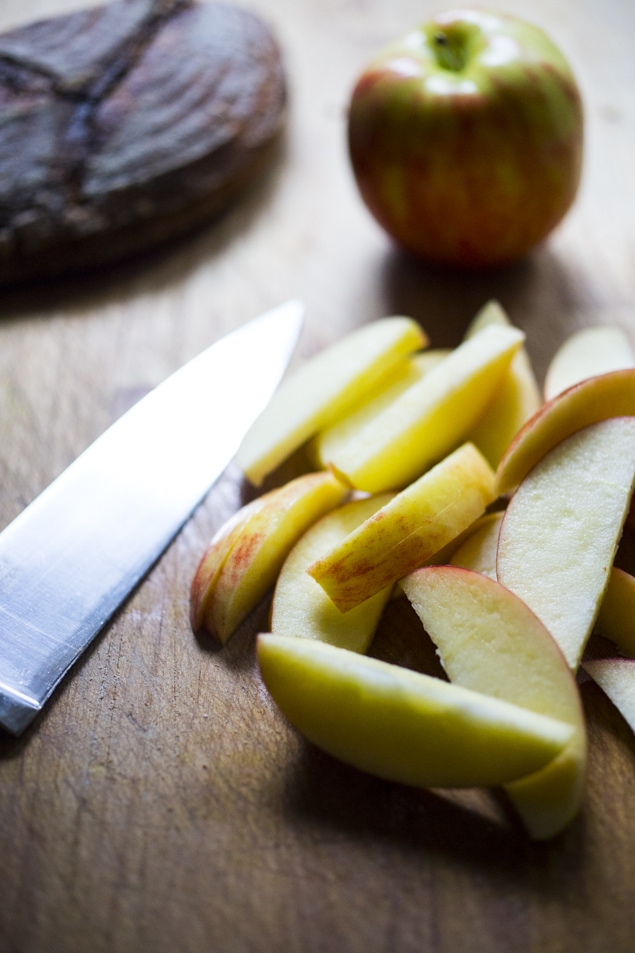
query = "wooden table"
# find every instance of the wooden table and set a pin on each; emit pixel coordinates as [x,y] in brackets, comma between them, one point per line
[161,803]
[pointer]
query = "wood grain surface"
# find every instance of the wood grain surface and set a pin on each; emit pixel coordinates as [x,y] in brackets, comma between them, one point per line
[161,803]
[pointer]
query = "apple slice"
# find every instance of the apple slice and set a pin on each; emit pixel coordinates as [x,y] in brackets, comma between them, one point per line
[616,621]
[616,677]
[211,563]
[514,403]
[616,618]
[408,530]
[224,592]
[324,389]
[411,370]
[585,354]
[478,551]
[399,724]
[492,312]
[562,527]
[300,607]
[480,555]
[489,641]
[424,423]
[592,400]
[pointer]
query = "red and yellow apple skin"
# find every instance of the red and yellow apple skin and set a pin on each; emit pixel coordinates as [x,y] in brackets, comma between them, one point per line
[246,555]
[408,530]
[214,558]
[583,404]
[466,138]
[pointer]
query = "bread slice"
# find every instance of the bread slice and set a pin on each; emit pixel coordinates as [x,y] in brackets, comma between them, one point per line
[127,125]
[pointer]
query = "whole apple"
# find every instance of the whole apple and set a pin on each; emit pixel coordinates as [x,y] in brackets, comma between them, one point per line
[466,138]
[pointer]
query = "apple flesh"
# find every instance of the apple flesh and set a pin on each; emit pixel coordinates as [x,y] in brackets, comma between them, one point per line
[585,354]
[590,401]
[561,529]
[224,591]
[489,641]
[616,678]
[406,374]
[300,607]
[213,559]
[401,725]
[408,530]
[466,138]
[616,618]
[325,388]
[479,549]
[389,449]
[517,399]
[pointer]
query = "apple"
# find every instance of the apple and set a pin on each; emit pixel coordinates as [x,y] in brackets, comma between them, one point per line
[587,353]
[492,312]
[489,641]
[561,529]
[512,611]
[590,401]
[517,399]
[226,589]
[478,550]
[387,449]
[616,618]
[404,375]
[300,607]
[402,725]
[408,530]
[324,389]
[616,677]
[474,548]
[213,559]
[466,138]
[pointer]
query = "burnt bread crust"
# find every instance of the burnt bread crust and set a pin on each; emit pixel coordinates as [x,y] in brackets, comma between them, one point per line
[127,125]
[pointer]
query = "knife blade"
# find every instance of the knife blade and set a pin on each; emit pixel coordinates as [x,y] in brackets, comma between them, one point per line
[71,557]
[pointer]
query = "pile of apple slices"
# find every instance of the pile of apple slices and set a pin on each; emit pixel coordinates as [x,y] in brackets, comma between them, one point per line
[443,476]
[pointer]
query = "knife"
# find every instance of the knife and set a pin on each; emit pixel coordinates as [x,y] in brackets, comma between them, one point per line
[71,557]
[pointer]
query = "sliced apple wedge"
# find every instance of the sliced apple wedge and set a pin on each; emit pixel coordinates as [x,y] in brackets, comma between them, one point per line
[512,406]
[592,400]
[408,530]
[489,641]
[211,563]
[492,312]
[616,677]
[427,420]
[325,388]
[478,551]
[585,354]
[514,403]
[300,607]
[410,371]
[616,618]
[259,544]
[446,555]
[561,529]
[399,724]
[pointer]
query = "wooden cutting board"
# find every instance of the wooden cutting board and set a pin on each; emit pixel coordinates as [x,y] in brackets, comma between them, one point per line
[161,803]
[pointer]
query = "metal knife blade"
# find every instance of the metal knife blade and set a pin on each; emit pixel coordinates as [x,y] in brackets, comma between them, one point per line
[71,557]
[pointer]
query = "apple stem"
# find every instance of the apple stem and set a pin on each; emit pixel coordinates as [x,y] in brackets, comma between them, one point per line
[448,55]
